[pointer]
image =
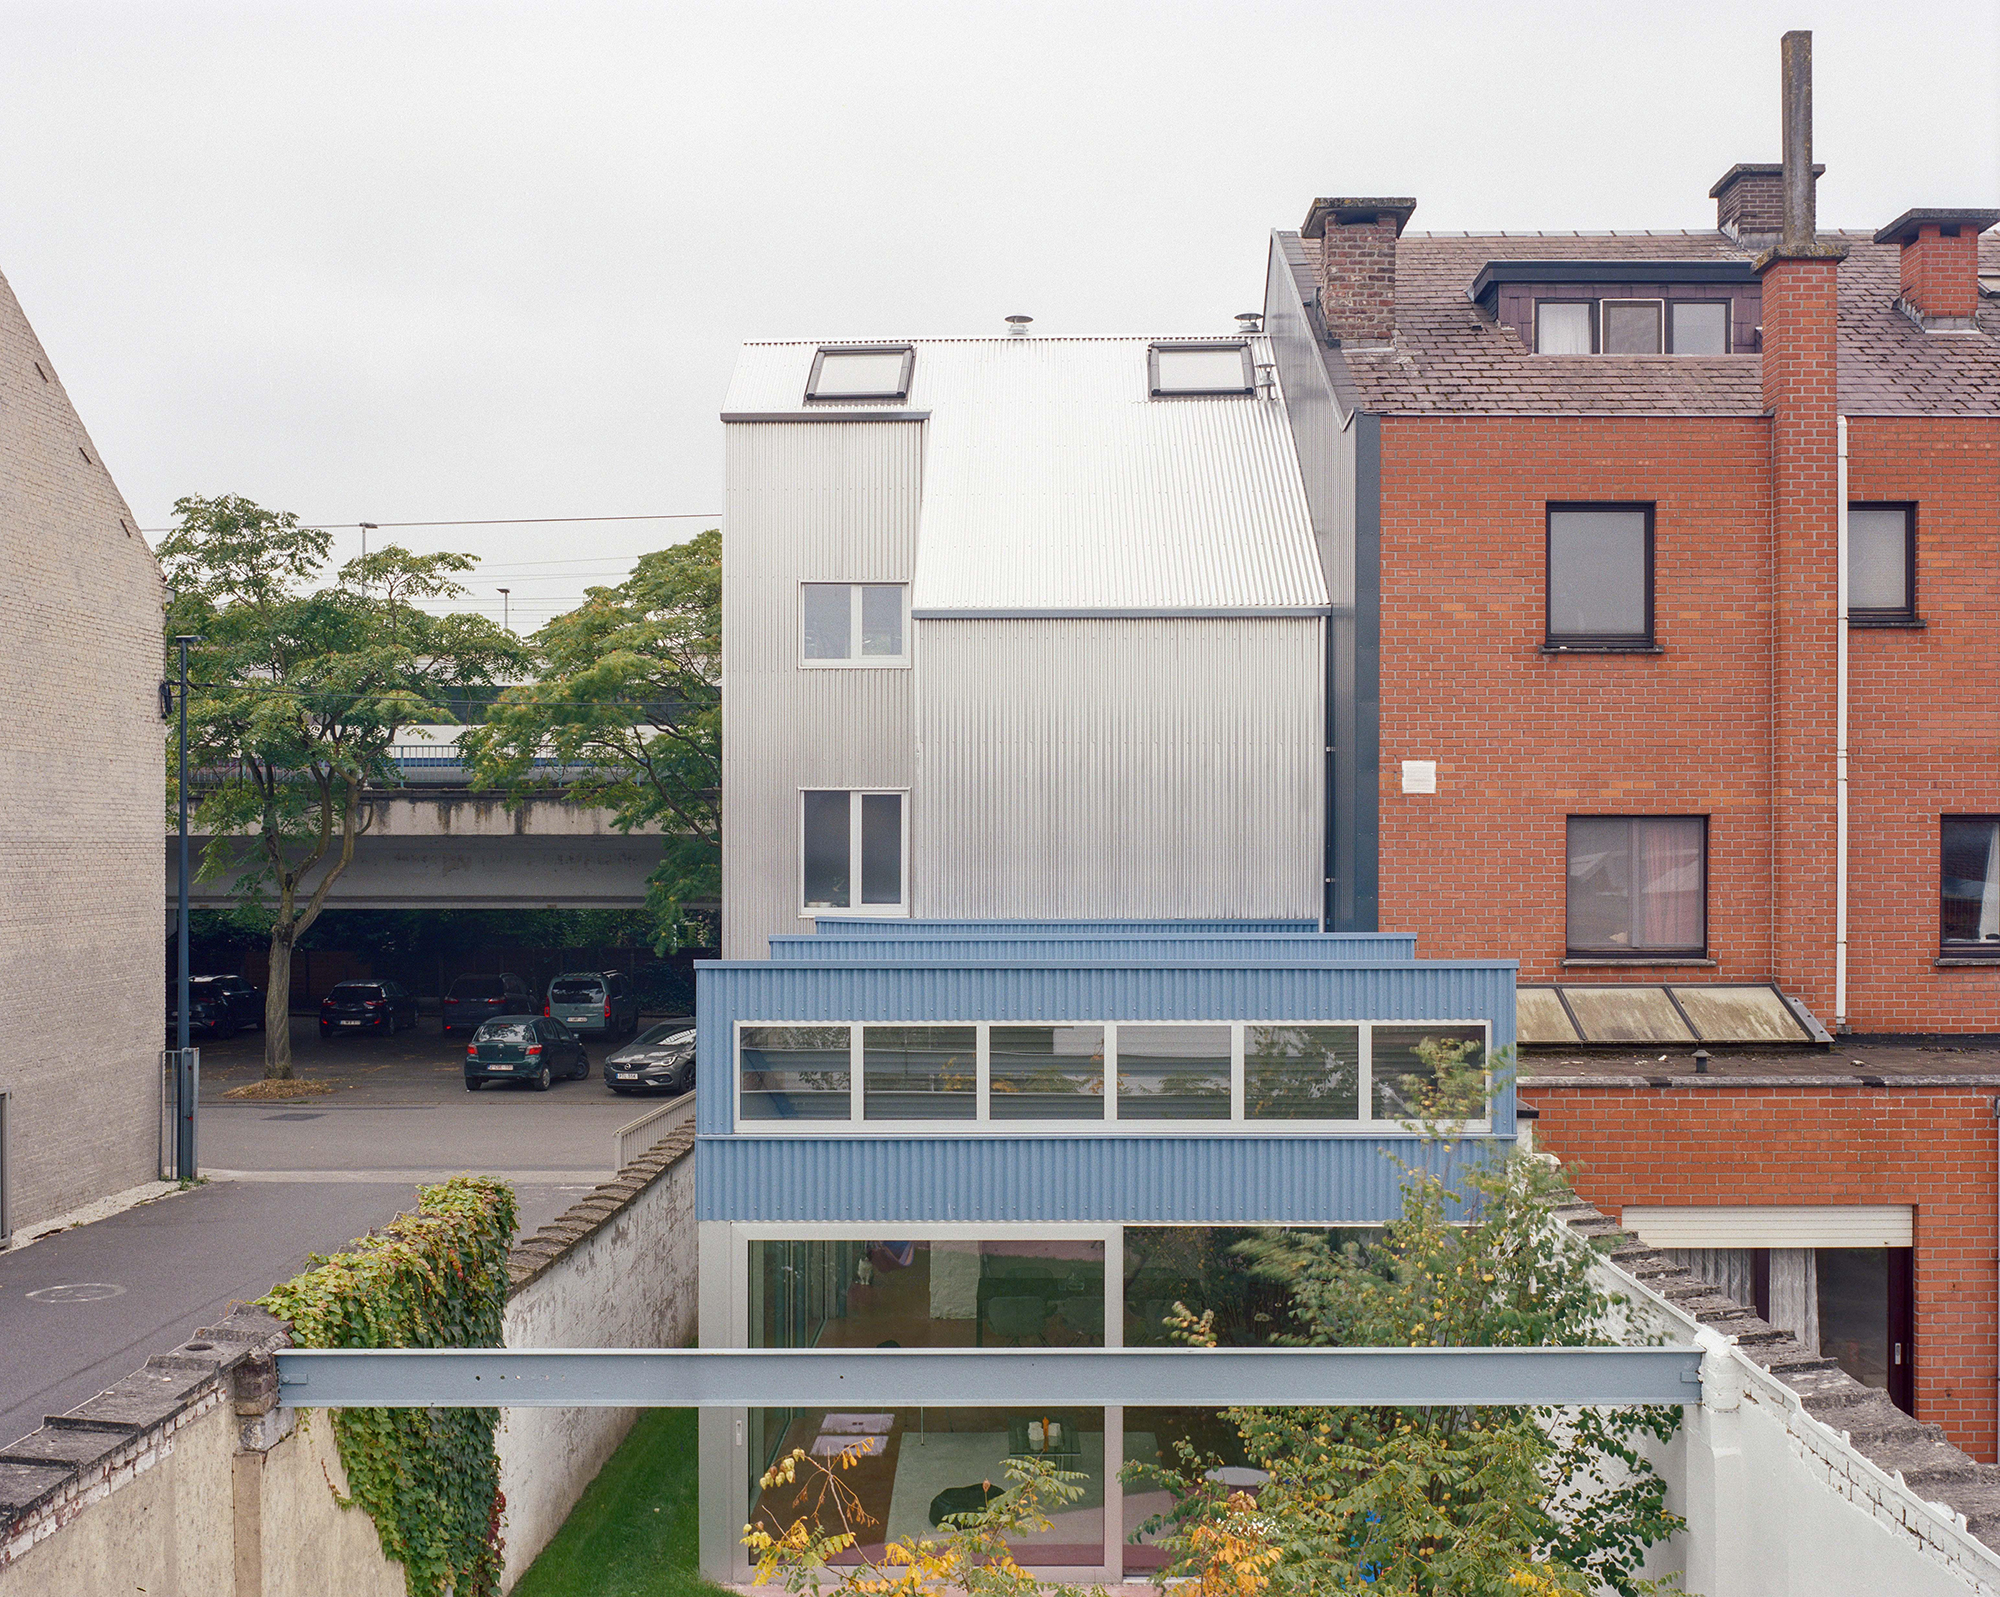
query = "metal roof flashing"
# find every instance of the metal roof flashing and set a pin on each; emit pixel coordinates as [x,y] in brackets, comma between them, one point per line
[1486,286]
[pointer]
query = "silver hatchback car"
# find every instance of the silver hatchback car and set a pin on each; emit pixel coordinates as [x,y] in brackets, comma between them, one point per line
[594,1003]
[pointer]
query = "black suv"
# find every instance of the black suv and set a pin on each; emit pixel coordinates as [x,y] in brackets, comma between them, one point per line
[474,1000]
[218,1005]
[383,1006]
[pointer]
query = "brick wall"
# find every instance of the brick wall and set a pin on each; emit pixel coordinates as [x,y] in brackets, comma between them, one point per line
[1924,721]
[1940,276]
[1931,1147]
[1357,296]
[1524,739]
[82,887]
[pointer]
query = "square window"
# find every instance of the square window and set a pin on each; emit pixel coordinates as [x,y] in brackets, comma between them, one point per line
[851,850]
[1045,1073]
[1632,326]
[1565,327]
[1970,858]
[919,1072]
[795,1072]
[1173,1072]
[1699,326]
[1401,1069]
[1600,574]
[1638,885]
[854,623]
[1195,369]
[877,372]
[1302,1072]
[1882,562]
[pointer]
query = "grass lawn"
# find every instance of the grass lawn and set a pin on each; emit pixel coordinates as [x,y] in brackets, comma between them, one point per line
[632,1533]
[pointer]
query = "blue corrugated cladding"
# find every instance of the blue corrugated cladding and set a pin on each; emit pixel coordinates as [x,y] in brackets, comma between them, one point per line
[1131,1180]
[1275,946]
[885,926]
[743,1176]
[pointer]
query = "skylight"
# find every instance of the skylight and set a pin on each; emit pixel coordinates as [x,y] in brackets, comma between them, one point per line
[876,372]
[1198,369]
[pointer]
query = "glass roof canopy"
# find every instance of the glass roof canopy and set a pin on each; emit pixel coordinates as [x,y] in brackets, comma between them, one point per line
[1648,1012]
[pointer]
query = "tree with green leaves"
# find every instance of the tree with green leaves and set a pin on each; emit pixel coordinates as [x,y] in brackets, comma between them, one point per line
[296,693]
[628,697]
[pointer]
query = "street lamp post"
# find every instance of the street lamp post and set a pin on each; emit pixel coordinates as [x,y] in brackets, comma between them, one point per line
[505,625]
[184,1106]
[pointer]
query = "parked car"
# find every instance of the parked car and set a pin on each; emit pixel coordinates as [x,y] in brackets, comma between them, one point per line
[594,1003]
[384,1006]
[532,1048]
[474,1000]
[659,1060]
[218,1005]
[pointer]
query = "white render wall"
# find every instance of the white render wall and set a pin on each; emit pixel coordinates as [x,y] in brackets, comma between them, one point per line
[818,501]
[82,956]
[1119,767]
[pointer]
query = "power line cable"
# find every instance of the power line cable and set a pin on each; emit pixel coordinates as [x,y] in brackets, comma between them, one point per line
[500,521]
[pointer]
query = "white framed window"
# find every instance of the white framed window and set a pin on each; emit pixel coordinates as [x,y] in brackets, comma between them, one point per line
[1198,370]
[854,624]
[871,371]
[1129,1077]
[854,851]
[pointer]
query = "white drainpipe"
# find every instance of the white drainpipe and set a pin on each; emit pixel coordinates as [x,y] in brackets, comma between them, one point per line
[1840,738]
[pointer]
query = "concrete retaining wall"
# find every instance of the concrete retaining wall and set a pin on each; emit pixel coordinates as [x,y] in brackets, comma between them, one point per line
[617,1270]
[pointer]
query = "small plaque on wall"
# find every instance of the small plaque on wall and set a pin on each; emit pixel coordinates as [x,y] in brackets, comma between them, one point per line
[1420,776]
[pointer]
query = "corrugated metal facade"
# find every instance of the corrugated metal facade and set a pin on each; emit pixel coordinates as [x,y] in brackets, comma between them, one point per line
[857,926]
[1119,768]
[1054,482]
[1136,1180]
[830,502]
[1281,946]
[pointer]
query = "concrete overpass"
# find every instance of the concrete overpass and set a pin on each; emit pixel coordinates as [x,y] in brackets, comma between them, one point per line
[441,848]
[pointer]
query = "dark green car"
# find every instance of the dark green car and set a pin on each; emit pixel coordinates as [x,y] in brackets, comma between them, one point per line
[537,1050]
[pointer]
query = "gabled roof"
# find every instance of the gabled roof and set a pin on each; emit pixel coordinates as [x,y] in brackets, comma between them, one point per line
[1451,358]
[1053,484]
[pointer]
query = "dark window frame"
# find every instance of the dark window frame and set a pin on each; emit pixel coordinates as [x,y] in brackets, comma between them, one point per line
[1647,641]
[1964,948]
[901,391]
[1195,346]
[1637,956]
[1728,323]
[1657,302]
[1878,615]
[1596,341]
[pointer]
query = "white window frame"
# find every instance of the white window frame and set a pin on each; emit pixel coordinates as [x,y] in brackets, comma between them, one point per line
[898,910]
[868,662]
[1236,1124]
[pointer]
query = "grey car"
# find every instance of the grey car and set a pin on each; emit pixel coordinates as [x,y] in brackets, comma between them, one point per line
[594,1003]
[660,1060]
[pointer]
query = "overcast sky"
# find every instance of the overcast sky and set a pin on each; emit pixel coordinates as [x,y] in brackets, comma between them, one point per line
[441,262]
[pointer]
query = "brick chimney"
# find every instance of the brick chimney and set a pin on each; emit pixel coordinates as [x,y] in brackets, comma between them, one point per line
[1940,265]
[1750,202]
[1357,265]
[1801,277]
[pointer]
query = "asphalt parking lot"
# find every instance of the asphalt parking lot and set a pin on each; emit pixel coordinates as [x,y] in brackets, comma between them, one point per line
[287,1178]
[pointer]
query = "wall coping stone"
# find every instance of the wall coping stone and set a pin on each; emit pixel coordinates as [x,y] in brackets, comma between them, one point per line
[532,1256]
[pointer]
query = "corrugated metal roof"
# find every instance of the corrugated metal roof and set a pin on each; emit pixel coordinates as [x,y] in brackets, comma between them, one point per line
[1271,946]
[887,926]
[1053,483]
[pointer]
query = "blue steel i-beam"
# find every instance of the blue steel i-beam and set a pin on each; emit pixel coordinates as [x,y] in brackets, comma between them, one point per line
[941,1377]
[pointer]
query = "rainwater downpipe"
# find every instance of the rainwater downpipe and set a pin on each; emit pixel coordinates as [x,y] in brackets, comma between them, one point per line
[1840,733]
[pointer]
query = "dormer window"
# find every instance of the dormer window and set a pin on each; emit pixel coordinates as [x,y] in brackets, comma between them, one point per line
[874,372]
[1565,327]
[1198,370]
[1623,307]
[1632,327]
[1698,327]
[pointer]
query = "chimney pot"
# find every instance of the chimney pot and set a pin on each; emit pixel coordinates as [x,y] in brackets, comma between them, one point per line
[1357,264]
[1940,267]
[1801,222]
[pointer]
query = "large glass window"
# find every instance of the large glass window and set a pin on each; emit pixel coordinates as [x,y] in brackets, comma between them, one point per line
[851,850]
[919,1072]
[1970,857]
[853,623]
[874,372]
[1600,575]
[1638,884]
[1881,562]
[1301,1072]
[1046,1073]
[1173,1072]
[1402,1071]
[913,1466]
[796,1073]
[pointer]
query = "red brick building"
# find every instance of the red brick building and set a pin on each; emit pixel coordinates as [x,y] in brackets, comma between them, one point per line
[1604,589]
[1582,501]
